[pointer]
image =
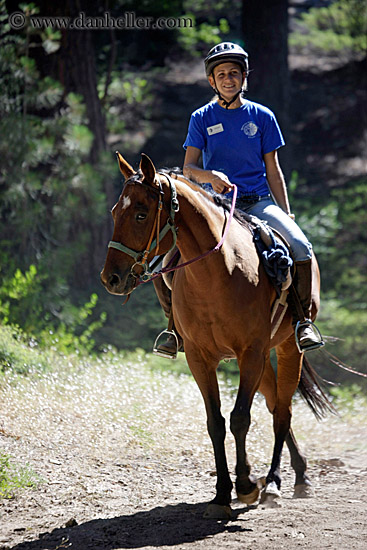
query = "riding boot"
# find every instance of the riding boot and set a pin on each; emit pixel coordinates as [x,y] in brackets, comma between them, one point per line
[170,346]
[306,336]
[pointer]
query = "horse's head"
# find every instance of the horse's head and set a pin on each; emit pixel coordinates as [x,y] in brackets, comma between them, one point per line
[138,217]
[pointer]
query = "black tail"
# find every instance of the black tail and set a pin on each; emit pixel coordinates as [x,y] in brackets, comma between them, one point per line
[311,391]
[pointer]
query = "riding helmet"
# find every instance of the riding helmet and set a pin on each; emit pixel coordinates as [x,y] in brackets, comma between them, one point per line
[223,53]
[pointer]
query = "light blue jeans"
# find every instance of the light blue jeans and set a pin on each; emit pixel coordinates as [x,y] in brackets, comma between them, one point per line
[265,209]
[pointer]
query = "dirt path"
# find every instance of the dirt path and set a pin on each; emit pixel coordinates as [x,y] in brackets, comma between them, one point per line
[126,463]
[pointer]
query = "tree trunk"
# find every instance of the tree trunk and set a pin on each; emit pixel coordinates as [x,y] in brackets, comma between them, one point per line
[265,34]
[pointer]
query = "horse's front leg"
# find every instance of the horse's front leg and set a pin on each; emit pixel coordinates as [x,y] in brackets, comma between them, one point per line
[251,366]
[204,372]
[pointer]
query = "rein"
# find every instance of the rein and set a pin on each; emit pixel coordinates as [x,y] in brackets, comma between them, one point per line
[141,257]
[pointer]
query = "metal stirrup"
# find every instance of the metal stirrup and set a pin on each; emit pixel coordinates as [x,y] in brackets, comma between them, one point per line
[161,353]
[309,323]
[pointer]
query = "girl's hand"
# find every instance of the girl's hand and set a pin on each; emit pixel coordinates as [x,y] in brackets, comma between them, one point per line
[220,182]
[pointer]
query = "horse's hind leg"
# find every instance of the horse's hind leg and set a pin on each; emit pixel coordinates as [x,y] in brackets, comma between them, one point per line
[204,372]
[288,374]
[302,487]
[268,387]
[251,368]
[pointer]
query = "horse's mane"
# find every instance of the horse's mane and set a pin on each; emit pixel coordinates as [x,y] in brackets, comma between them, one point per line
[221,201]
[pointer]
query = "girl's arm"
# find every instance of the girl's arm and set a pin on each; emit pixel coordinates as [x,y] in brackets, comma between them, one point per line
[191,170]
[276,181]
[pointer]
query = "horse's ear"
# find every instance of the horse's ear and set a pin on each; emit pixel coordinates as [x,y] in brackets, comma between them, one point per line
[147,167]
[125,168]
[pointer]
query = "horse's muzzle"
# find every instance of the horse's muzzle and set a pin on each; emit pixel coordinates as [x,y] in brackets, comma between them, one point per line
[116,284]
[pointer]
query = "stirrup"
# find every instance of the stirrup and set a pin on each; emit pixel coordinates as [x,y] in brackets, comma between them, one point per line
[317,345]
[162,353]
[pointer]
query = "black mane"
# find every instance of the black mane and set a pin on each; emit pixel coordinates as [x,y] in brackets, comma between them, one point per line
[226,203]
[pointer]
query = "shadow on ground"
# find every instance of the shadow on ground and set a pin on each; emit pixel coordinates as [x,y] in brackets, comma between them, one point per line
[161,526]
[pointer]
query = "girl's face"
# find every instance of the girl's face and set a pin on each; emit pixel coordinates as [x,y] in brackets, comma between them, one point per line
[228,79]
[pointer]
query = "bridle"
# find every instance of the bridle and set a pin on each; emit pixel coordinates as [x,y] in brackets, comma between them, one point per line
[140,257]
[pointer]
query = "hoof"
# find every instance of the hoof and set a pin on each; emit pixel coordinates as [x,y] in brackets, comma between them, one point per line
[270,496]
[249,498]
[303,491]
[216,511]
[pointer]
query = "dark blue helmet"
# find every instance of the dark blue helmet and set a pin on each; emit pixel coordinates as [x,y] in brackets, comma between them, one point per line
[224,53]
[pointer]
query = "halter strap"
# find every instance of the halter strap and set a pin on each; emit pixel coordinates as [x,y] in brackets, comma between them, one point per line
[140,256]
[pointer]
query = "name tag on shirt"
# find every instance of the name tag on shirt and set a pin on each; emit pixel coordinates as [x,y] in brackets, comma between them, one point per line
[215,129]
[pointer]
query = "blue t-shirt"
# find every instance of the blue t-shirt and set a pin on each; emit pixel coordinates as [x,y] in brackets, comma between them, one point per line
[234,141]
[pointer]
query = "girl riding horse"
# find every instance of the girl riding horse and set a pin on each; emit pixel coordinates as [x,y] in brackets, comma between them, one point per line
[238,141]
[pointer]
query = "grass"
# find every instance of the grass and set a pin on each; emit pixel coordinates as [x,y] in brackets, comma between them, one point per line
[14,476]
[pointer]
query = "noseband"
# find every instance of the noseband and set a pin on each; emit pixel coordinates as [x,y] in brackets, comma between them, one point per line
[140,257]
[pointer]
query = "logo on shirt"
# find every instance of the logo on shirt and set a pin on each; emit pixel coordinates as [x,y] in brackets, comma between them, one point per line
[249,129]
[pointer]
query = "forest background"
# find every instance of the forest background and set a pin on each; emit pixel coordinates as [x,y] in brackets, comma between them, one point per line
[70,97]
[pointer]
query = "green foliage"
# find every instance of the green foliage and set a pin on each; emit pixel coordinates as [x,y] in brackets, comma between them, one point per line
[342,25]
[129,99]
[336,228]
[347,395]
[75,330]
[344,328]
[13,476]
[24,352]
[210,24]
[19,353]
[133,325]
[129,87]
[204,33]
[349,399]
[18,294]
[49,192]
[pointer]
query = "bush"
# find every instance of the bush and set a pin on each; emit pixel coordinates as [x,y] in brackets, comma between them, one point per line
[338,27]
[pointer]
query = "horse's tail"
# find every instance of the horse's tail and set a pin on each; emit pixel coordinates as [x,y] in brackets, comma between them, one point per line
[312,392]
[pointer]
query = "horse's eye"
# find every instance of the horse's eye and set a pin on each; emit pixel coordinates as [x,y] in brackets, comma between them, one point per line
[140,216]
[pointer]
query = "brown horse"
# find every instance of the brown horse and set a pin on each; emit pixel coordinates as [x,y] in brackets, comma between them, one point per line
[221,307]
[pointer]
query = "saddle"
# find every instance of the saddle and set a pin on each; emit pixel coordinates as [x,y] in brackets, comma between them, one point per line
[275,255]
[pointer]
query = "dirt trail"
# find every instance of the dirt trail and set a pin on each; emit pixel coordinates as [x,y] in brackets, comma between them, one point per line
[126,463]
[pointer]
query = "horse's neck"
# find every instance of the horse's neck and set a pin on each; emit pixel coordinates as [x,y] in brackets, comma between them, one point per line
[201,226]
[201,221]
